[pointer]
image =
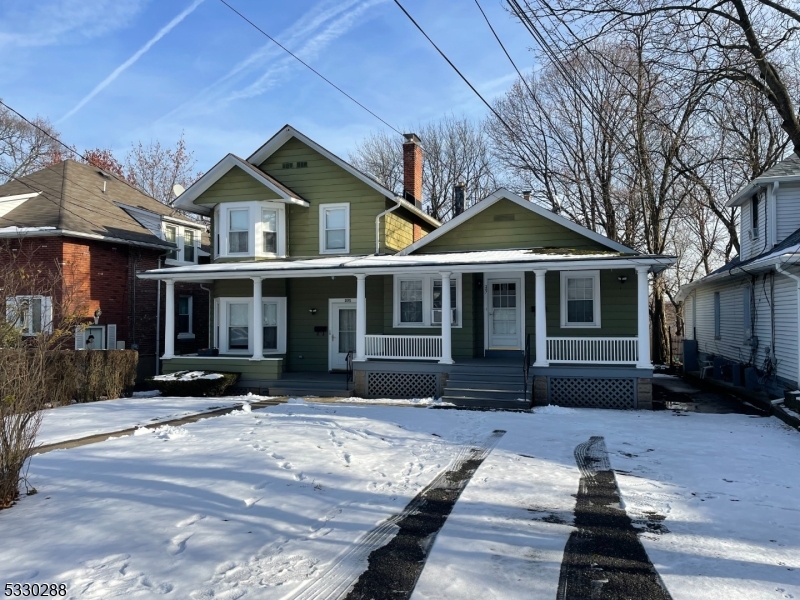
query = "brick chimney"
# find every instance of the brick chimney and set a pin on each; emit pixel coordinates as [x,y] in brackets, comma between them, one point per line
[412,169]
[527,195]
[458,198]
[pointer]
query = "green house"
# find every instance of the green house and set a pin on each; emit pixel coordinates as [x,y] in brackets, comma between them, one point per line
[326,282]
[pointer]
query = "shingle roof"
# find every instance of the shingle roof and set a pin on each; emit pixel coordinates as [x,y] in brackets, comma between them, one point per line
[788,167]
[72,199]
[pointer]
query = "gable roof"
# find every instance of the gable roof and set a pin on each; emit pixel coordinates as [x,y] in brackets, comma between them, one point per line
[69,199]
[786,170]
[288,132]
[187,198]
[503,193]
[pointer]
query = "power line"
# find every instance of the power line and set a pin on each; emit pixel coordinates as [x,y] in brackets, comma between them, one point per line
[449,62]
[305,64]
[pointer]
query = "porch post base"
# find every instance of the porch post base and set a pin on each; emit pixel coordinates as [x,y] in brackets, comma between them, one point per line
[447,362]
[540,391]
[537,363]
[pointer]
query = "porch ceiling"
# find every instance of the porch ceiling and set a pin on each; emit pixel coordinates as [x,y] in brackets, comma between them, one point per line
[456,262]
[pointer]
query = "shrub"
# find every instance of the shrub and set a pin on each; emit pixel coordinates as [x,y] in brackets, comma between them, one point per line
[88,375]
[194,386]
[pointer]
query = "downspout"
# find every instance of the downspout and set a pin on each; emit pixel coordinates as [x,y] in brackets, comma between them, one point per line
[377,225]
[781,270]
[158,322]
[202,287]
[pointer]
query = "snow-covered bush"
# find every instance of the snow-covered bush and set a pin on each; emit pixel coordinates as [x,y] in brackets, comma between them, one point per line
[193,383]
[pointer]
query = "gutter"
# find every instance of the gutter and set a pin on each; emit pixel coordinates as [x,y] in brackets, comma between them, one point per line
[780,269]
[90,236]
[377,225]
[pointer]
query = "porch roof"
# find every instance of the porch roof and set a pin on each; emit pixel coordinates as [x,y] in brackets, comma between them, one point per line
[456,262]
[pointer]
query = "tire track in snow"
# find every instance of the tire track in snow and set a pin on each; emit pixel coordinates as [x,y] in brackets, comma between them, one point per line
[391,570]
[603,558]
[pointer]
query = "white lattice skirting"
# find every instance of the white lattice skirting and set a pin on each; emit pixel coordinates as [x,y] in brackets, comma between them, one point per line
[592,392]
[401,385]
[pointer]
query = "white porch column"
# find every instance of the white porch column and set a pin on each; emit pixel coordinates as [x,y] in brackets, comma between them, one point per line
[258,321]
[643,318]
[447,338]
[361,317]
[541,320]
[169,320]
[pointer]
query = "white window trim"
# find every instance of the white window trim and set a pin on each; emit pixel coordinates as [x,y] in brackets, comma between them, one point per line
[596,301]
[186,335]
[180,232]
[254,237]
[221,324]
[427,301]
[47,313]
[322,209]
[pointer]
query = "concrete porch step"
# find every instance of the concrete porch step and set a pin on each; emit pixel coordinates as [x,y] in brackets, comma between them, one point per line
[484,393]
[301,392]
[487,403]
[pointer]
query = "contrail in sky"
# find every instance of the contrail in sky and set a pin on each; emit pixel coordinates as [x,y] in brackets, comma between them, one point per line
[137,55]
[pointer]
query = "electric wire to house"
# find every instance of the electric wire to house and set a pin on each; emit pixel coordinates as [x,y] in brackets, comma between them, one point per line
[309,67]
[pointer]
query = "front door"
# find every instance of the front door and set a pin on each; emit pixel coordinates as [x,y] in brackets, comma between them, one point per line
[503,307]
[341,333]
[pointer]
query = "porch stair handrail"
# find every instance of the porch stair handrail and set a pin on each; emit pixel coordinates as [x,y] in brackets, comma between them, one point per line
[408,347]
[593,350]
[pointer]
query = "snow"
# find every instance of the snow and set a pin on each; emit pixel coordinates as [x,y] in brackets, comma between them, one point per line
[187,376]
[17,230]
[146,394]
[390,401]
[91,418]
[259,504]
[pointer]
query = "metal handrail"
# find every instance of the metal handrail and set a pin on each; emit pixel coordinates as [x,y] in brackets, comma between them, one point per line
[526,362]
[349,368]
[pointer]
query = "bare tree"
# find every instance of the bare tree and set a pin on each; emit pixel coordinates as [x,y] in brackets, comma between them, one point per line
[751,43]
[156,169]
[25,148]
[455,150]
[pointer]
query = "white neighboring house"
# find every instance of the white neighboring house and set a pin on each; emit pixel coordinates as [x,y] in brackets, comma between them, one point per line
[747,310]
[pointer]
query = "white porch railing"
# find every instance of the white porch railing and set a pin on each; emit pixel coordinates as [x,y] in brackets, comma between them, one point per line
[408,347]
[597,350]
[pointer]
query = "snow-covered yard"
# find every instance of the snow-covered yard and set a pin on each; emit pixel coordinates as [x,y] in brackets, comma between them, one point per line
[259,504]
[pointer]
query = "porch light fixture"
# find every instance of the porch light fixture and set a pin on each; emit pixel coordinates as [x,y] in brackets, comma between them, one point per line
[97,315]
[622,278]
[313,311]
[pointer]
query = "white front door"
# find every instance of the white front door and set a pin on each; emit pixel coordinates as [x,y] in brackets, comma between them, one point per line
[504,315]
[341,332]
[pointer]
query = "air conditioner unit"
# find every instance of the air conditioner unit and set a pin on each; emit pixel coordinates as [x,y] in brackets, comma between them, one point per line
[436,316]
[754,234]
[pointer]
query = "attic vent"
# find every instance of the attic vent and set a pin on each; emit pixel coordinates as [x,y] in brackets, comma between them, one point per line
[302,164]
[287,166]
[511,217]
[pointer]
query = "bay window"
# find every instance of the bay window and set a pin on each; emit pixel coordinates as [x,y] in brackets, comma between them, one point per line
[418,301]
[334,225]
[238,230]
[269,230]
[580,299]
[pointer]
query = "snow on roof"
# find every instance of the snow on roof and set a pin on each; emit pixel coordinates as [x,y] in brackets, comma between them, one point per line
[388,263]
[19,230]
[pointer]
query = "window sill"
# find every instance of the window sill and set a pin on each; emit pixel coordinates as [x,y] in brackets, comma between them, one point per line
[334,252]
[185,336]
[580,326]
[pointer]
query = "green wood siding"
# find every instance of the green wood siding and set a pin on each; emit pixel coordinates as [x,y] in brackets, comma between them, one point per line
[270,368]
[323,182]
[527,230]
[236,186]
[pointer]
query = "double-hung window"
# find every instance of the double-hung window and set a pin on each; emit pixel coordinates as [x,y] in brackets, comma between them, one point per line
[418,301]
[234,320]
[171,235]
[186,240]
[238,230]
[190,245]
[334,228]
[30,314]
[580,299]
[238,326]
[269,230]
[185,317]
[269,316]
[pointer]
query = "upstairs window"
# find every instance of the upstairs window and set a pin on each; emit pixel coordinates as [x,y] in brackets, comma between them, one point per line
[269,230]
[171,235]
[238,231]
[754,205]
[580,299]
[334,234]
[190,245]
[186,240]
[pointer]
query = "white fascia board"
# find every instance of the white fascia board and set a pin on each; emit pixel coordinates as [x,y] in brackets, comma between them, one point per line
[498,195]
[51,232]
[186,200]
[26,196]
[288,132]
[746,192]
[224,270]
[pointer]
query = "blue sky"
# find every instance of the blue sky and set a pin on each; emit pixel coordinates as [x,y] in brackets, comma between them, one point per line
[111,72]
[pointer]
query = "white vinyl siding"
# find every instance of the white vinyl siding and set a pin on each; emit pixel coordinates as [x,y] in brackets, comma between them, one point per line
[788,205]
[753,246]
[786,327]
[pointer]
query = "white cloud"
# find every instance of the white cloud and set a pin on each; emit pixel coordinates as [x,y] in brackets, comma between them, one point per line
[50,22]
[136,56]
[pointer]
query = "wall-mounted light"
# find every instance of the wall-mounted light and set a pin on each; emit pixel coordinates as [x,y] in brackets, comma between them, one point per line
[313,311]
[97,314]
[622,278]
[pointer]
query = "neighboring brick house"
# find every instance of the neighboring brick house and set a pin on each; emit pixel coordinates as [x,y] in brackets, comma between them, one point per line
[102,231]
